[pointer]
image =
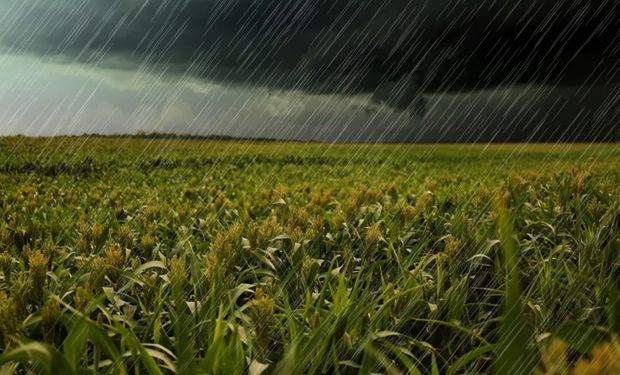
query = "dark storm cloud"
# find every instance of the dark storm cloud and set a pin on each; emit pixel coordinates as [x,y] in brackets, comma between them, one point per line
[333,45]
[452,61]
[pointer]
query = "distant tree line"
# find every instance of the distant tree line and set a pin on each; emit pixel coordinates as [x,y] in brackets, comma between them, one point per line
[158,135]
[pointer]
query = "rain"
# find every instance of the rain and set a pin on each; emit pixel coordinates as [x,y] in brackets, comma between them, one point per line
[442,71]
[309,186]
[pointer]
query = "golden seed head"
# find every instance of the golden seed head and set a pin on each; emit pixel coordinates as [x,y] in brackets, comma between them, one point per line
[347,251]
[430,184]
[261,307]
[297,218]
[502,198]
[260,311]
[150,212]
[8,319]
[279,192]
[604,359]
[5,237]
[318,223]
[235,232]
[266,195]
[339,218]
[149,288]
[177,271]
[452,246]
[26,251]
[220,244]
[98,271]
[353,202]
[49,250]
[210,264]
[50,311]
[371,195]
[298,235]
[82,246]
[531,175]
[268,230]
[6,262]
[97,232]
[517,179]
[320,197]
[554,358]
[83,230]
[135,263]
[82,298]
[579,181]
[227,241]
[483,192]
[151,228]
[409,212]
[424,201]
[37,263]
[21,287]
[114,255]
[252,234]
[373,234]
[125,236]
[309,267]
[595,209]
[147,243]
[220,200]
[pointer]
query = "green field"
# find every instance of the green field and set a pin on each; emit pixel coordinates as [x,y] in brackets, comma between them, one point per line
[128,255]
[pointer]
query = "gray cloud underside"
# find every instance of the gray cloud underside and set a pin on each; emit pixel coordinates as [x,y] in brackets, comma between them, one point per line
[328,46]
[50,99]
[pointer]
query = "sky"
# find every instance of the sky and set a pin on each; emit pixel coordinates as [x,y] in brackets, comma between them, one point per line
[328,70]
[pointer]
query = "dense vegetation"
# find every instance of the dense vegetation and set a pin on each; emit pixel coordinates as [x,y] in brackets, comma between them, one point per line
[222,257]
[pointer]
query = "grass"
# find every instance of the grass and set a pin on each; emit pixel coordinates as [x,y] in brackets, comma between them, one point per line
[154,256]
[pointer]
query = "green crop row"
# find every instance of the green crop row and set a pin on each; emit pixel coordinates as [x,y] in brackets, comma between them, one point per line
[228,257]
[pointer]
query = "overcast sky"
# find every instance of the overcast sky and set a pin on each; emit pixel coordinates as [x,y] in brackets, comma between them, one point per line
[389,70]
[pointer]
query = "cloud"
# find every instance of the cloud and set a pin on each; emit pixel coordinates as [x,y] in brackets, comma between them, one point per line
[47,99]
[329,46]
[312,69]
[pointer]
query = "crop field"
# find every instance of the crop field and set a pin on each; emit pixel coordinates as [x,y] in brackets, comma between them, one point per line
[151,256]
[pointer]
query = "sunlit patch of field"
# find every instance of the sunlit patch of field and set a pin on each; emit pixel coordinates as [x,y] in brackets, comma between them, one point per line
[221,257]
